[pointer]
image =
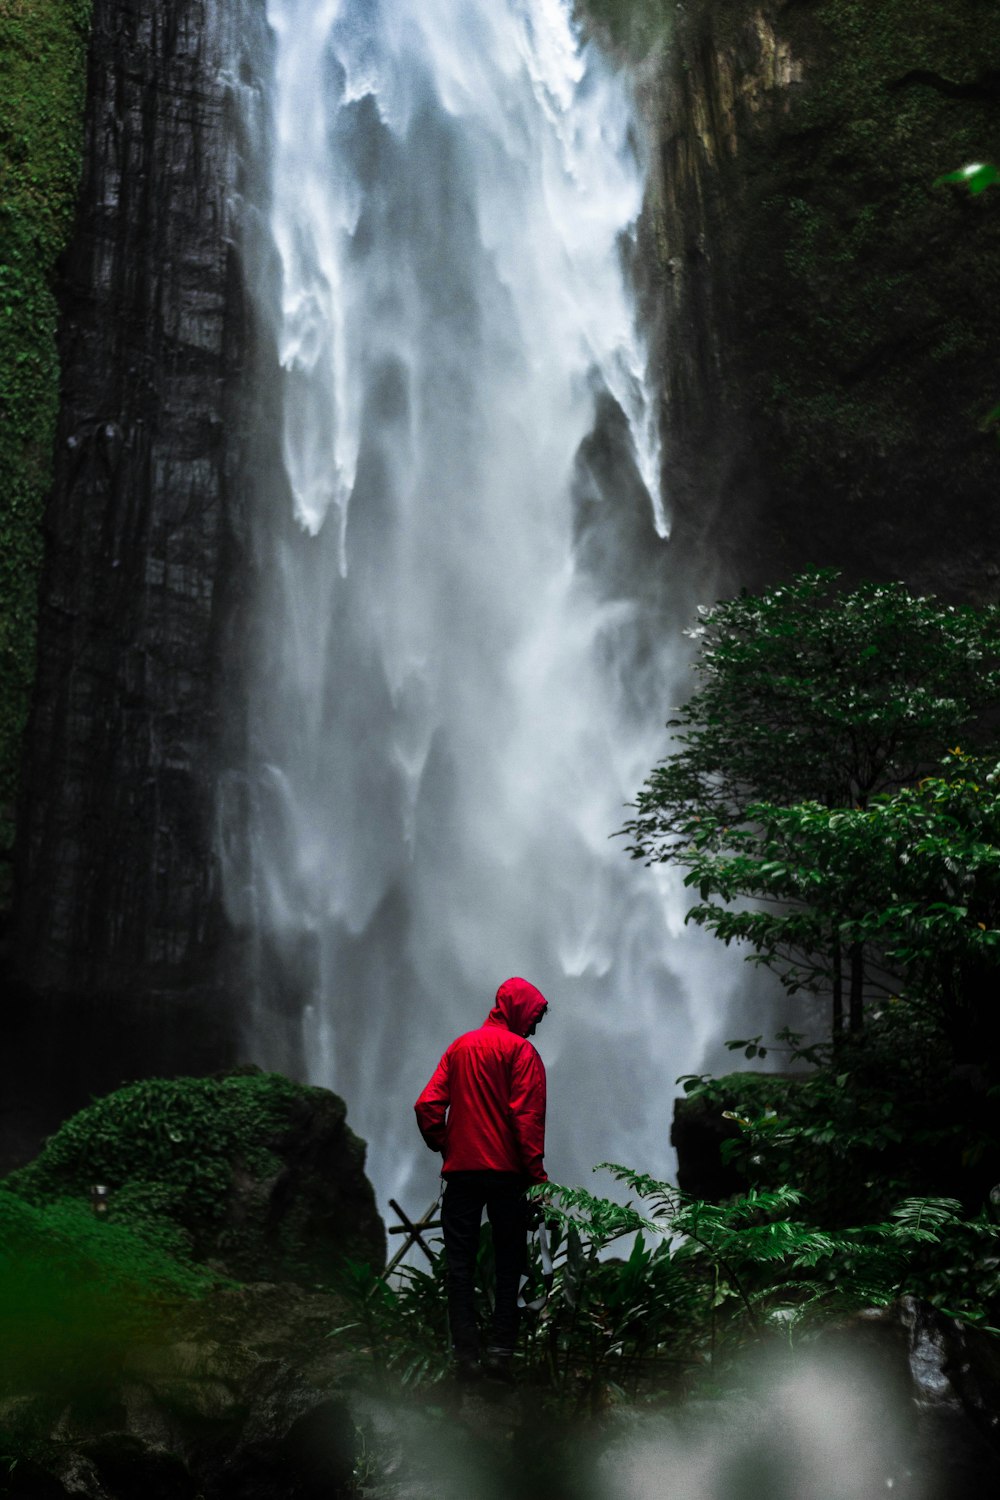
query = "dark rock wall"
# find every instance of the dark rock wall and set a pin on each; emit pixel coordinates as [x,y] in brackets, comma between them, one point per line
[123,963]
[143,549]
[828,330]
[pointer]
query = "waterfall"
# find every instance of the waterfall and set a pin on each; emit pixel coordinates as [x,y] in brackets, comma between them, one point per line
[463,654]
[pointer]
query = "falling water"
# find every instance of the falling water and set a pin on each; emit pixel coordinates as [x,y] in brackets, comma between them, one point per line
[463,659]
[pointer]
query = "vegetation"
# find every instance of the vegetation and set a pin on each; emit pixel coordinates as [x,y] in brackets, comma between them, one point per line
[699,1283]
[882,281]
[186,1169]
[909,884]
[189,1164]
[42,77]
[77,1293]
[881,1116]
[891,863]
[813,692]
[795,782]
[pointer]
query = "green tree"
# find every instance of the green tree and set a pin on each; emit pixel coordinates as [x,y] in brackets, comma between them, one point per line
[812,695]
[912,882]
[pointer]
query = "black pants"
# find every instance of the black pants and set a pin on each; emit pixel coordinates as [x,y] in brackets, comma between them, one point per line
[466,1194]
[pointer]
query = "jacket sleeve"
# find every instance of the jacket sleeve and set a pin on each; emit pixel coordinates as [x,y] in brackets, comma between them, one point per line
[527,1108]
[432,1106]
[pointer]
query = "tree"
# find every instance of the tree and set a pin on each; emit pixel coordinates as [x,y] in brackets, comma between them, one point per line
[812,699]
[913,881]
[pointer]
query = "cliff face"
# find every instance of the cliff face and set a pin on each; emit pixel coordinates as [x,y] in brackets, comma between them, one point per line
[42,54]
[828,338]
[829,333]
[143,551]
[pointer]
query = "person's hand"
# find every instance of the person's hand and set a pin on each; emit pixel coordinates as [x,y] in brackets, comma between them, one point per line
[537,1209]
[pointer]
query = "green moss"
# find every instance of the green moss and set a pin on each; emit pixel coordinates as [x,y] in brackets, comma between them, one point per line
[190,1165]
[196,1159]
[42,83]
[77,1293]
[166,1148]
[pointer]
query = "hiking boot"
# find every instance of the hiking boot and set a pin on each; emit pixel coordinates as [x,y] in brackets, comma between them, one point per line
[467,1369]
[499,1365]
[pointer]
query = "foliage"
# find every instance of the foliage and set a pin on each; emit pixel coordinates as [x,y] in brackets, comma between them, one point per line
[913,878]
[700,1280]
[42,78]
[76,1293]
[788,783]
[404,1328]
[168,1149]
[868,331]
[975,178]
[756,1265]
[883,1116]
[813,693]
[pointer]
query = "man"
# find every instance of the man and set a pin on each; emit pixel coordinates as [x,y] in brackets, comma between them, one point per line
[484,1110]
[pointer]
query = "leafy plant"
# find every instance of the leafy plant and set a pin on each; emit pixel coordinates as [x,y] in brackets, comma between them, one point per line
[173,1152]
[813,693]
[757,1265]
[818,710]
[881,1117]
[975,178]
[699,1281]
[403,1327]
[910,883]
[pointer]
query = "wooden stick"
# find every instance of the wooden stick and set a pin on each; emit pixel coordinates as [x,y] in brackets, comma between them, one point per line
[414,1234]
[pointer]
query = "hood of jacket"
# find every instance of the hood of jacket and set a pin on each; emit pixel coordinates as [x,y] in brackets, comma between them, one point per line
[518,1006]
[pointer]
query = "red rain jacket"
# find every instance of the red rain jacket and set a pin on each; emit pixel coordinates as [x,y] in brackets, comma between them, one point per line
[484,1107]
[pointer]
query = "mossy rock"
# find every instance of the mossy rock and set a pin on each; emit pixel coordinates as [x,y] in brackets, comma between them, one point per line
[249,1174]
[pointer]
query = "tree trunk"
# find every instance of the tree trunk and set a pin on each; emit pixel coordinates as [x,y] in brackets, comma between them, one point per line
[857,1014]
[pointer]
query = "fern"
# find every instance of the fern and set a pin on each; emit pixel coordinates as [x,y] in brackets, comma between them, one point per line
[699,1281]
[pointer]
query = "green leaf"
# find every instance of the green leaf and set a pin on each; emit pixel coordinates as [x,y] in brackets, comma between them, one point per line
[976,177]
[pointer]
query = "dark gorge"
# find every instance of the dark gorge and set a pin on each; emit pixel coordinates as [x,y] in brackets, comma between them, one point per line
[803,374]
[825,344]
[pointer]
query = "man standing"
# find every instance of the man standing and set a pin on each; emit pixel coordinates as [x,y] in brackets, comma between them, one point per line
[484,1110]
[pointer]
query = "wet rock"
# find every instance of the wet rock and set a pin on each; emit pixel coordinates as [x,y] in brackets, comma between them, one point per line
[129,1470]
[697,1134]
[955,1370]
[824,316]
[248,1401]
[116,891]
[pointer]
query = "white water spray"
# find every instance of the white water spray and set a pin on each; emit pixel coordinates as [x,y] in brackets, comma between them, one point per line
[463,664]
